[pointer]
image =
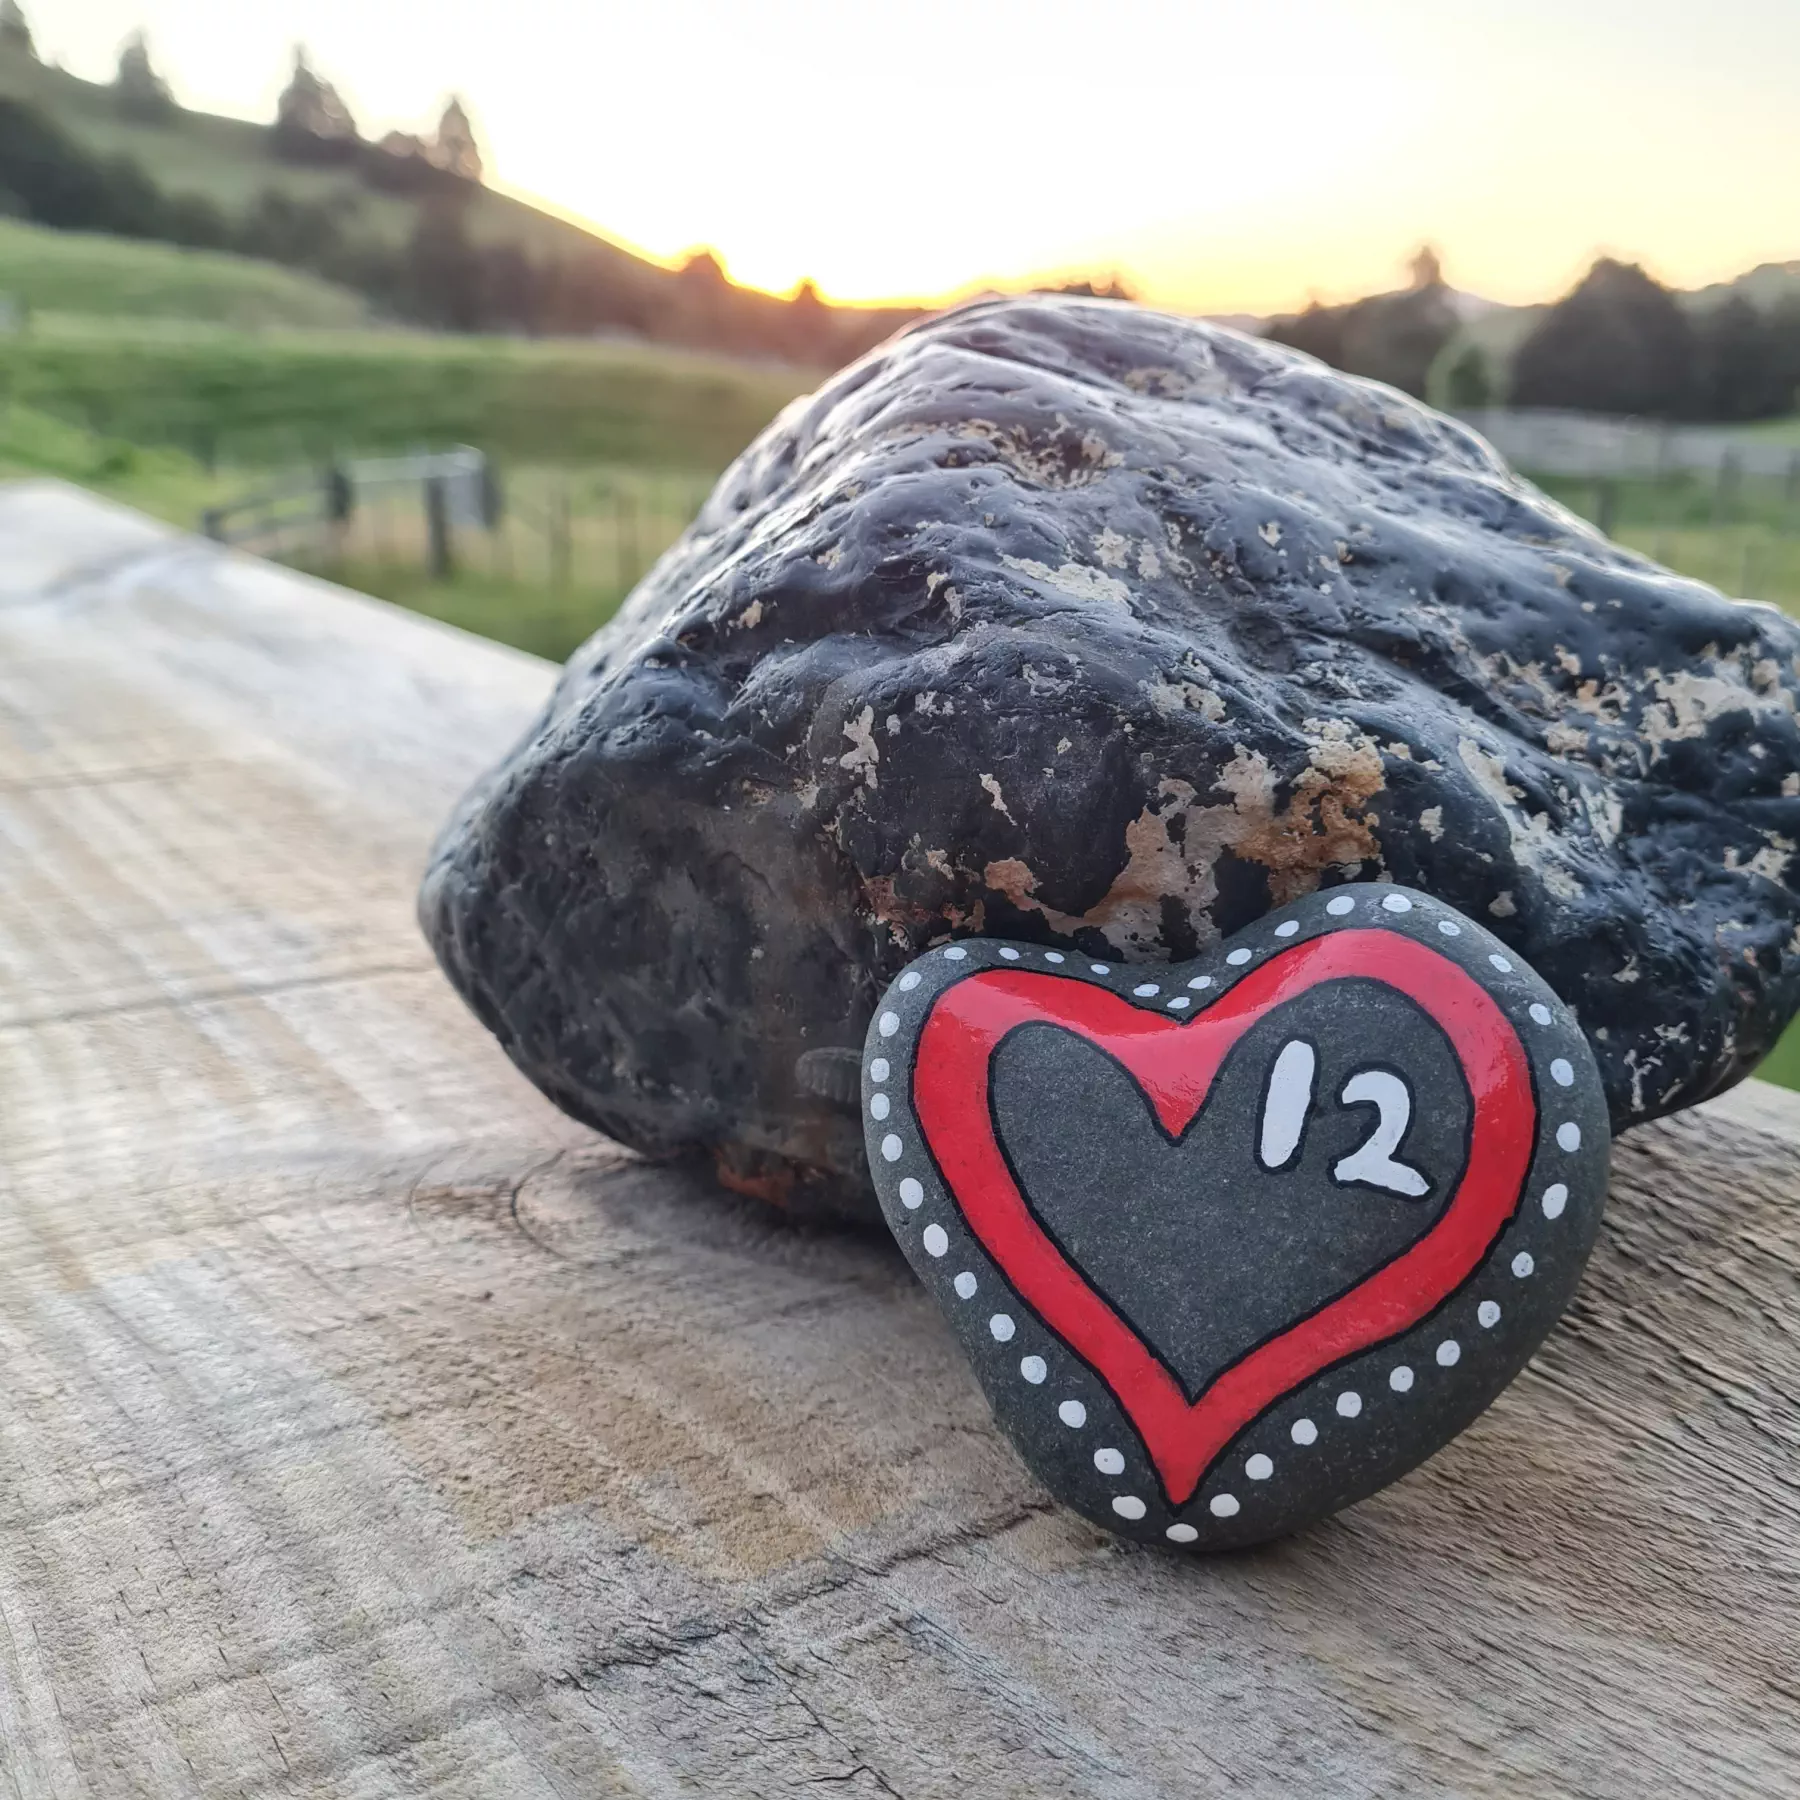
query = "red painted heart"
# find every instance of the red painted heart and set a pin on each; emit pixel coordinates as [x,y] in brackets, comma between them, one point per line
[1174,1062]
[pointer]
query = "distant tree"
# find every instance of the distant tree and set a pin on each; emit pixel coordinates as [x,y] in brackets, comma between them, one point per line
[455,151]
[446,270]
[312,123]
[1110,289]
[281,227]
[1784,340]
[703,269]
[1426,268]
[56,181]
[1740,374]
[401,163]
[1618,343]
[1468,381]
[1388,337]
[139,92]
[15,33]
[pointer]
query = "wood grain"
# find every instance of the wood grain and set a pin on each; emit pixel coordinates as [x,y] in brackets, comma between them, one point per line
[366,1428]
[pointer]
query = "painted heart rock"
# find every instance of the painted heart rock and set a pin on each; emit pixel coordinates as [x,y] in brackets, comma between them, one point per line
[1235,1243]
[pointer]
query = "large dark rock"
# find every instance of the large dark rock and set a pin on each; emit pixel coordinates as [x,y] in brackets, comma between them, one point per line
[1068,622]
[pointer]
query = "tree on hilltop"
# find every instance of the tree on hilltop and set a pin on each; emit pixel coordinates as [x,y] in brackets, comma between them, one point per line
[138,90]
[1618,343]
[456,151]
[312,123]
[15,33]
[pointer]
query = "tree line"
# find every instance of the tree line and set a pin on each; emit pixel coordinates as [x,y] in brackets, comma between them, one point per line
[1619,342]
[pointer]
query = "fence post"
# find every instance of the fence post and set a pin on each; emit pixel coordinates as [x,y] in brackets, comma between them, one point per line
[630,498]
[1793,478]
[440,551]
[1725,494]
[1606,506]
[560,547]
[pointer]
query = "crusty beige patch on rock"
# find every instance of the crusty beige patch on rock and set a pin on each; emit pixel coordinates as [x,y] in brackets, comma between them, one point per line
[1172,846]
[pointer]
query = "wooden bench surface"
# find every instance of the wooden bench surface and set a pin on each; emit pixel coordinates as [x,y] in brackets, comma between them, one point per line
[368,1428]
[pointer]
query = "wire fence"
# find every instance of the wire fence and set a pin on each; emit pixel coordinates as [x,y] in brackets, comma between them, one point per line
[536,556]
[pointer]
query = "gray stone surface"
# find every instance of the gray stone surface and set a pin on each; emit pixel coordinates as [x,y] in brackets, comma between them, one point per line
[1066,622]
[1372,1199]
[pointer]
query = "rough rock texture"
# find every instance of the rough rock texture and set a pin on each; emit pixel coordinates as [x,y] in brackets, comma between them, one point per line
[1068,622]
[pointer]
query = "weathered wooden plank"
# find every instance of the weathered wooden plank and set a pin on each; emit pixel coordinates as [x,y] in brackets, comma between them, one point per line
[367,1428]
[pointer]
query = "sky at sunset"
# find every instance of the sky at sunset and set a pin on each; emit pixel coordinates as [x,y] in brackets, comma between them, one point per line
[1219,157]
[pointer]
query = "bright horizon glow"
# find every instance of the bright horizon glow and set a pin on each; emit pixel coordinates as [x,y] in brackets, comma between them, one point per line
[1217,157]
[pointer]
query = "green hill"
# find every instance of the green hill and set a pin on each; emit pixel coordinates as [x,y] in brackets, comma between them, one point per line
[80,272]
[423,244]
[231,162]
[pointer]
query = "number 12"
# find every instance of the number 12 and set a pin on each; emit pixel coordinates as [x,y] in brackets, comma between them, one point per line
[1289,1098]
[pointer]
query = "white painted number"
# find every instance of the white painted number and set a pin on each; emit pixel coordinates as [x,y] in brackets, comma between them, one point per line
[1289,1099]
[1372,1161]
[1286,1103]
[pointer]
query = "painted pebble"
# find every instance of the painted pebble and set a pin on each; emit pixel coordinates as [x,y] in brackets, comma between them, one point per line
[1236,1247]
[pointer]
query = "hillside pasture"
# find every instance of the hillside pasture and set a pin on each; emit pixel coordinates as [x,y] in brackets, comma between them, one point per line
[128,279]
[264,398]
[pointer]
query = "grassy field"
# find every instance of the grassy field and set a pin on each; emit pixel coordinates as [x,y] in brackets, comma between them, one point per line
[268,398]
[121,278]
[1744,540]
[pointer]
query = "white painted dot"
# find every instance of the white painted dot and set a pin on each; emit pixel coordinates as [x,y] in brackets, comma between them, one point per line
[1073,1414]
[1200,982]
[1341,905]
[1349,1404]
[889,1024]
[891,1147]
[1010,954]
[1034,1369]
[1556,1197]
[1562,1072]
[1129,1506]
[1449,928]
[909,981]
[1145,989]
[1002,1327]
[1181,1534]
[1304,1432]
[879,1070]
[1540,1012]
[878,1106]
[1287,927]
[1054,956]
[1523,1264]
[1569,1135]
[1101,968]
[1259,1468]
[1449,1353]
[1401,1380]
[1396,903]
[1180,1003]
[1109,1462]
[1501,964]
[956,953]
[1223,1506]
[911,1193]
[965,1285]
[1238,958]
[936,1240]
[1488,1312]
